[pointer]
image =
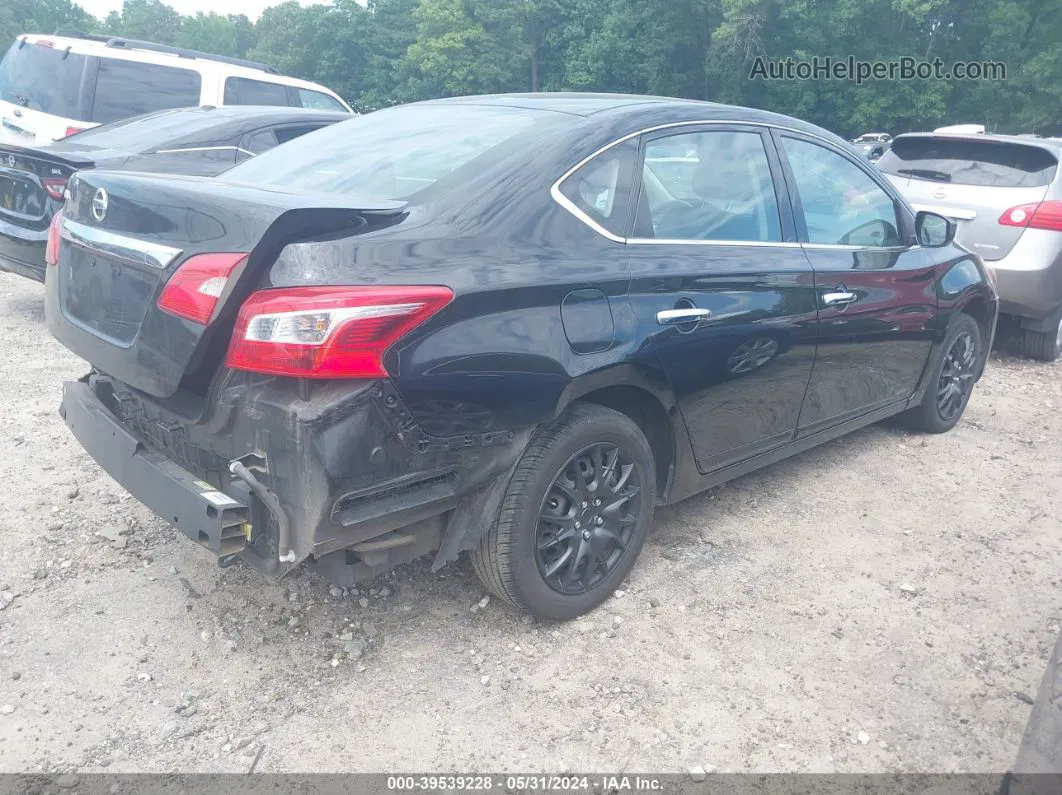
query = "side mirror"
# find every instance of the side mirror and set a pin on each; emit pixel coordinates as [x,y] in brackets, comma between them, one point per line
[934,231]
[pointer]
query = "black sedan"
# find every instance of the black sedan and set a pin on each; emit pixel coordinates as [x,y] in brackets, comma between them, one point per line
[198,141]
[511,325]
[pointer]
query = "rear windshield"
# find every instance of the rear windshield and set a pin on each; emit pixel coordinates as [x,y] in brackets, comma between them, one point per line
[44,79]
[395,153]
[151,132]
[997,164]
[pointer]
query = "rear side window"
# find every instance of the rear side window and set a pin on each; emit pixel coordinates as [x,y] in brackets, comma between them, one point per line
[317,100]
[44,79]
[997,164]
[130,88]
[244,91]
[601,189]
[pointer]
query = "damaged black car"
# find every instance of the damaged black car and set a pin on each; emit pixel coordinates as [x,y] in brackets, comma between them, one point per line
[510,326]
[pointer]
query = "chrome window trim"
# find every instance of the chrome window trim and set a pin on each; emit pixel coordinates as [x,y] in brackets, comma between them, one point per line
[202,149]
[109,244]
[573,209]
[656,241]
[846,247]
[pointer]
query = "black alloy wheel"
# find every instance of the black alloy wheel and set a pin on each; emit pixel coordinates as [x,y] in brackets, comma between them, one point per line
[950,384]
[957,377]
[574,516]
[587,518]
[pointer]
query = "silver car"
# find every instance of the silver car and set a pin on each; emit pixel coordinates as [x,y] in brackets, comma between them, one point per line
[1005,195]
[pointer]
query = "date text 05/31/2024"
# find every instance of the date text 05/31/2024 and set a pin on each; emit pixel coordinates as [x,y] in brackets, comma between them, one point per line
[516,783]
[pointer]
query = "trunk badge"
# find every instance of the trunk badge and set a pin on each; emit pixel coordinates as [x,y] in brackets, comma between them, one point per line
[940,193]
[99,205]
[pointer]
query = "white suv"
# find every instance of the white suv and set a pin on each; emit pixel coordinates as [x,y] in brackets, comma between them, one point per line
[54,86]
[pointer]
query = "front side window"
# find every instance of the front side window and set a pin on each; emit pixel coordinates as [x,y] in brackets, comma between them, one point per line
[244,91]
[601,188]
[130,88]
[842,205]
[708,186]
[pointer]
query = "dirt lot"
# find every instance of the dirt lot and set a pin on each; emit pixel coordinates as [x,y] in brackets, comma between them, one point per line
[886,602]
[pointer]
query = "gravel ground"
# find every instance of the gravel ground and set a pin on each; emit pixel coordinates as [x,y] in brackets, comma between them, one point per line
[886,602]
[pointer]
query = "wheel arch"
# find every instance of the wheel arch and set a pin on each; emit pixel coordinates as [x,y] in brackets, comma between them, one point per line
[652,407]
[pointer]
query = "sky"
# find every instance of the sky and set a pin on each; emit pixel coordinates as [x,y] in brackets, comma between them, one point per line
[252,8]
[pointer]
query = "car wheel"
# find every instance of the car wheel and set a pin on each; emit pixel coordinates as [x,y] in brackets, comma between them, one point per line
[574,517]
[1043,345]
[952,381]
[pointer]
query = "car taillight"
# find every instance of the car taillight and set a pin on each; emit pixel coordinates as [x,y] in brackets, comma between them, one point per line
[193,291]
[328,332]
[73,130]
[51,248]
[1043,215]
[55,187]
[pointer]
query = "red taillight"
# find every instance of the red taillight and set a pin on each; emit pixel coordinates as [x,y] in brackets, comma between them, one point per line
[328,332]
[1044,215]
[193,291]
[51,248]
[72,130]
[55,187]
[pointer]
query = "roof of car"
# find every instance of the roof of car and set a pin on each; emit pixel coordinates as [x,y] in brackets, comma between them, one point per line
[651,109]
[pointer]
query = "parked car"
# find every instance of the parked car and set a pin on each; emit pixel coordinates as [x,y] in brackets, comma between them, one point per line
[193,141]
[872,145]
[53,86]
[403,334]
[1005,195]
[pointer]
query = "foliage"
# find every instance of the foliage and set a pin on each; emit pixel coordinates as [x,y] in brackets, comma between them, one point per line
[389,51]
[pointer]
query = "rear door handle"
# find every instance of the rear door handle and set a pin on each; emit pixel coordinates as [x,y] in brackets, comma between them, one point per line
[839,298]
[672,317]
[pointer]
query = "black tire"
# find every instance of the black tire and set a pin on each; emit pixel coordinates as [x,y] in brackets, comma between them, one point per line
[508,559]
[931,416]
[1045,346]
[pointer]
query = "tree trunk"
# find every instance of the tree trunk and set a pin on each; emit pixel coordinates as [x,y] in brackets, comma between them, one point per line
[534,67]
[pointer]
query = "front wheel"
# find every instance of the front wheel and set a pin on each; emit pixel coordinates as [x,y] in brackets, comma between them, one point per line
[952,380]
[574,517]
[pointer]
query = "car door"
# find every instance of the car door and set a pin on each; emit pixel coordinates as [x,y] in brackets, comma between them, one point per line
[875,286]
[722,289]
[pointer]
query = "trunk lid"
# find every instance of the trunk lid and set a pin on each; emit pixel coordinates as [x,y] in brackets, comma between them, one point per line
[23,172]
[124,235]
[972,181]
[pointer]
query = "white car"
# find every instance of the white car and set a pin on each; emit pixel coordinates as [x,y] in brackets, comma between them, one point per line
[54,86]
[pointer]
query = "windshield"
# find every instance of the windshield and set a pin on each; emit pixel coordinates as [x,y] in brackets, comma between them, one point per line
[395,153]
[148,133]
[44,79]
[999,164]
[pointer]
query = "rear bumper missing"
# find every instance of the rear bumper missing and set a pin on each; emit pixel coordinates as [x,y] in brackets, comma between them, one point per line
[218,520]
[336,465]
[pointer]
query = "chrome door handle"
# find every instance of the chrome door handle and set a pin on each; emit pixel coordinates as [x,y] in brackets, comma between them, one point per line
[839,298]
[672,317]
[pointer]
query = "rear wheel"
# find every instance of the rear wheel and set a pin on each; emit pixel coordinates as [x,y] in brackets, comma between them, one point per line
[574,517]
[952,381]
[1043,345]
